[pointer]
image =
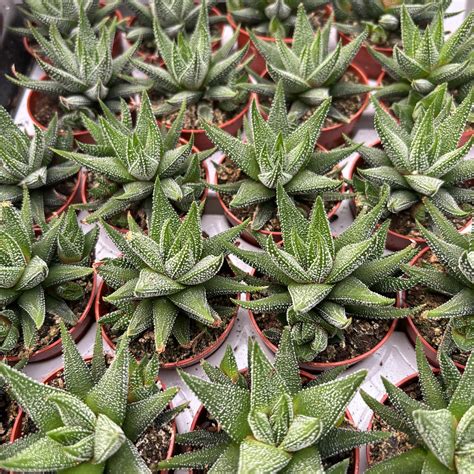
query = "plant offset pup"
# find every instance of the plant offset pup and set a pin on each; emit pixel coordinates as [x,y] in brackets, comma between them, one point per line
[276,153]
[131,156]
[30,162]
[165,279]
[438,427]
[422,164]
[271,423]
[91,426]
[38,275]
[275,18]
[456,253]
[85,73]
[194,74]
[322,282]
[309,72]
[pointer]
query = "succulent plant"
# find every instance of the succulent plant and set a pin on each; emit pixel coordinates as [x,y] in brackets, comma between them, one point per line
[270,422]
[426,59]
[29,162]
[82,74]
[278,153]
[420,164]
[275,18]
[309,72]
[322,282]
[193,74]
[131,156]
[63,14]
[438,427]
[455,252]
[382,18]
[92,425]
[174,17]
[39,275]
[164,280]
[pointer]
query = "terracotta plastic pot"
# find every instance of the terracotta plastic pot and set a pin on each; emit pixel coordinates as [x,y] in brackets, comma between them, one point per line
[85,198]
[16,431]
[201,412]
[55,348]
[364,59]
[258,63]
[321,366]
[466,136]
[395,241]
[331,137]
[100,311]
[234,220]
[410,327]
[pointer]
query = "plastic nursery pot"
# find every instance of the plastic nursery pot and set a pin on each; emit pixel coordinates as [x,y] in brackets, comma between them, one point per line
[395,241]
[201,412]
[364,59]
[55,348]
[100,311]
[410,327]
[258,63]
[234,220]
[17,427]
[84,195]
[321,366]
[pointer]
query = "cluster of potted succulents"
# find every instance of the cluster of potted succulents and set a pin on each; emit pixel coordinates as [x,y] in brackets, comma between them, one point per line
[129,132]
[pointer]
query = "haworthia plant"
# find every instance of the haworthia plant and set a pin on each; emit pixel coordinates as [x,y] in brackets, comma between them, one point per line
[63,14]
[130,156]
[30,162]
[320,283]
[420,164]
[195,74]
[271,422]
[39,275]
[165,279]
[83,73]
[426,59]
[278,153]
[456,254]
[383,18]
[438,427]
[174,17]
[94,423]
[275,18]
[310,73]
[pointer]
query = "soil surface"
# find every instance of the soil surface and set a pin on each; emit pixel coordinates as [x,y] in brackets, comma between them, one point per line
[8,412]
[61,191]
[432,330]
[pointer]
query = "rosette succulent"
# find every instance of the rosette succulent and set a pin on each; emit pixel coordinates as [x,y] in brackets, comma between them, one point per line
[130,156]
[318,283]
[39,276]
[426,59]
[438,427]
[455,253]
[92,425]
[167,278]
[277,153]
[194,74]
[420,164]
[177,16]
[382,18]
[30,163]
[310,73]
[275,18]
[82,74]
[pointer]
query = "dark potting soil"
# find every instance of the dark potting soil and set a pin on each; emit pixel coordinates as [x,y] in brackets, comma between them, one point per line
[8,412]
[228,172]
[318,17]
[50,331]
[399,442]
[62,191]
[360,337]
[432,330]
